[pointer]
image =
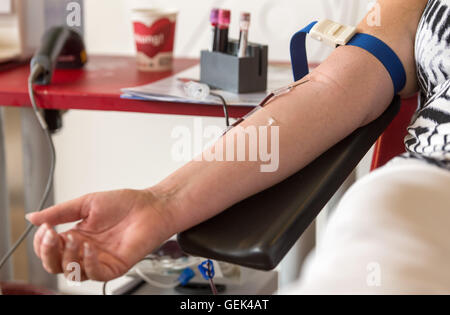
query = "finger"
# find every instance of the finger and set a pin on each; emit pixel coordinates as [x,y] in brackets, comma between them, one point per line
[66,212]
[38,239]
[50,251]
[71,258]
[92,267]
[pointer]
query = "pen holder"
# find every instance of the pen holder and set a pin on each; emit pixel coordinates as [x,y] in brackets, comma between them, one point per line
[231,73]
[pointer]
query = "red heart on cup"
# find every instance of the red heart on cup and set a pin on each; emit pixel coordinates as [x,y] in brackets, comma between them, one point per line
[154,39]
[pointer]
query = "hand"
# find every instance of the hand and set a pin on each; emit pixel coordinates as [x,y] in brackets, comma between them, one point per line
[117,229]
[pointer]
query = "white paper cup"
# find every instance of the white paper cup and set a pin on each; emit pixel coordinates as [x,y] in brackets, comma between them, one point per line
[154,35]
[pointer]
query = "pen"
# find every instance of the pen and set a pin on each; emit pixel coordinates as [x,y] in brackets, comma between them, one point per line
[243,37]
[214,19]
[222,34]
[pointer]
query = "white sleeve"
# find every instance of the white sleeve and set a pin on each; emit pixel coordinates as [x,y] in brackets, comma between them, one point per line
[389,235]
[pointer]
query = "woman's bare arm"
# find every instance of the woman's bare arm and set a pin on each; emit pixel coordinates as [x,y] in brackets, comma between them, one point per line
[350,89]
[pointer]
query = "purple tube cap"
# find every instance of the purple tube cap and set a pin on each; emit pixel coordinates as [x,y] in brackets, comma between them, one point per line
[214,17]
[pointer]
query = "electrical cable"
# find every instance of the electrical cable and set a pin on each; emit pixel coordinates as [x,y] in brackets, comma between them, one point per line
[154,283]
[211,281]
[35,72]
[151,259]
[104,287]
[201,91]
[225,107]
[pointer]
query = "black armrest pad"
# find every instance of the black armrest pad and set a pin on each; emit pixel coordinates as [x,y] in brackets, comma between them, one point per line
[259,231]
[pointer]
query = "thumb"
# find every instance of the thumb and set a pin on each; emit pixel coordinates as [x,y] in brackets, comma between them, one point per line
[66,212]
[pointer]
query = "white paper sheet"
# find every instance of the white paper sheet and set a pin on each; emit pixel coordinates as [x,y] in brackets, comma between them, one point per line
[171,89]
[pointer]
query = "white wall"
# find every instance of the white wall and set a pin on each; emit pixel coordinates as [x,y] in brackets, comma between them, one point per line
[107,150]
[273,22]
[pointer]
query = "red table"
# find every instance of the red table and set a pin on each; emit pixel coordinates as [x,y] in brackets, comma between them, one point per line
[98,87]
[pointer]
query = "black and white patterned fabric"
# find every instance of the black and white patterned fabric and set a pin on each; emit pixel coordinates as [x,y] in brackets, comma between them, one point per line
[429,133]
